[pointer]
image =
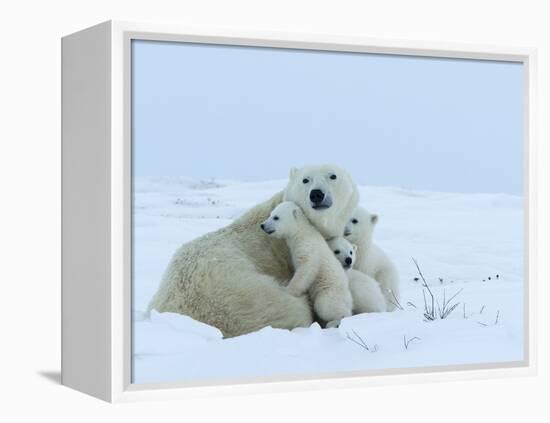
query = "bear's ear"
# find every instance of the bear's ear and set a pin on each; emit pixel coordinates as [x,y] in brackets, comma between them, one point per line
[374,219]
[293,172]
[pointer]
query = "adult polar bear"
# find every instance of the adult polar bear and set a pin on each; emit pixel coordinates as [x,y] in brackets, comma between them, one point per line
[233,278]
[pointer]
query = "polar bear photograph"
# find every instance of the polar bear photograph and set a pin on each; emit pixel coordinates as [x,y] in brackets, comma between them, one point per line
[306,213]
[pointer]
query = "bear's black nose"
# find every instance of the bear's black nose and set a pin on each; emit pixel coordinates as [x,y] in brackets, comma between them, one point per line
[348,260]
[316,196]
[262,225]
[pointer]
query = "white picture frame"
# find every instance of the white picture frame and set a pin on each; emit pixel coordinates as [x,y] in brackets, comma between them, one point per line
[96,208]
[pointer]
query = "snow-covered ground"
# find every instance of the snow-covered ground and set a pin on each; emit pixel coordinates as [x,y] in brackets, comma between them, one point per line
[461,242]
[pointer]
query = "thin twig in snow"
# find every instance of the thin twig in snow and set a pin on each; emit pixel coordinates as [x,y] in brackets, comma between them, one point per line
[406,343]
[357,335]
[357,342]
[396,303]
[446,310]
[429,312]
[361,342]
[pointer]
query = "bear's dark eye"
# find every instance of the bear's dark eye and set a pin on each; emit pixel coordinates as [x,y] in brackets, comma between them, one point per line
[336,251]
[351,253]
[305,181]
[333,176]
[354,221]
[275,217]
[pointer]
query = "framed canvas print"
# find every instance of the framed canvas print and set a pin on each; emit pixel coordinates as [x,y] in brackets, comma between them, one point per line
[246,209]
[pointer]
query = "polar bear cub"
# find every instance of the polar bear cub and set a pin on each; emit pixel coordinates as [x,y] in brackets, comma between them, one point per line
[365,291]
[345,251]
[317,271]
[370,259]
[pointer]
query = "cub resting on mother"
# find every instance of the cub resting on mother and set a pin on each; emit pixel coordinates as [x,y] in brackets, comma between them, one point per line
[234,278]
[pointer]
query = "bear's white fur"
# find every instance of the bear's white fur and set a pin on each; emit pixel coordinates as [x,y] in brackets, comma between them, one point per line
[365,291]
[371,260]
[317,272]
[340,193]
[234,278]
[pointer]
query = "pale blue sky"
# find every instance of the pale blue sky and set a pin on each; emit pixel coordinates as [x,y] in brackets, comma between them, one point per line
[245,113]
